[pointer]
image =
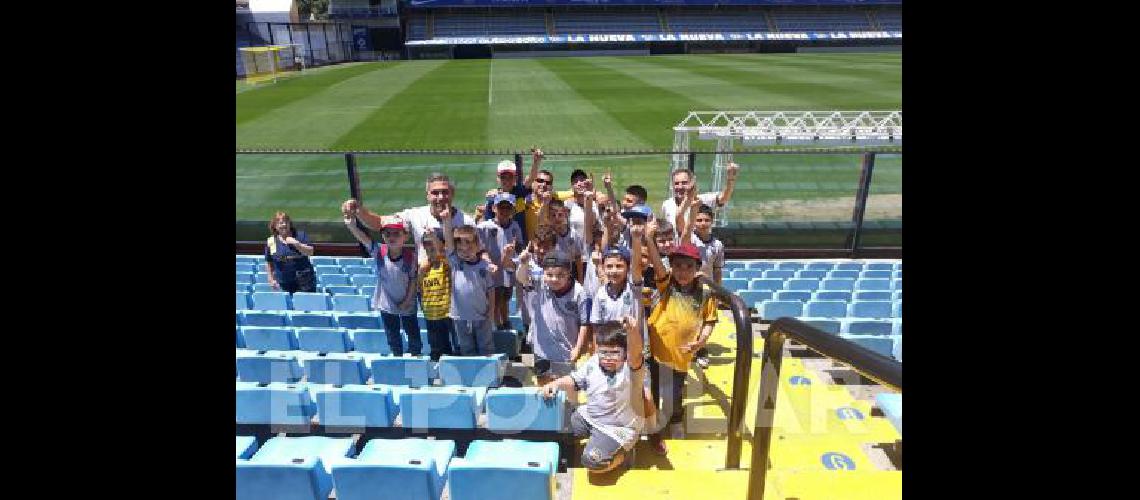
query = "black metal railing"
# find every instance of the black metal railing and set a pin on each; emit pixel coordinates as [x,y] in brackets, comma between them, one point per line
[741,371]
[870,364]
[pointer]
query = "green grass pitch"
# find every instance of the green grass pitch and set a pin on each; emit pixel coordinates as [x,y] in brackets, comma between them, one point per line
[563,105]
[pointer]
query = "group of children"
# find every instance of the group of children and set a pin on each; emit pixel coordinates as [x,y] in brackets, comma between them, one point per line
[591,280]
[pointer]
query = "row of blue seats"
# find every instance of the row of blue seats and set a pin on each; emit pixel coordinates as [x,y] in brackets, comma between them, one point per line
[325,279]
[361,368]
[890,346]
[302,301]
[844,265]
[357,268]
[841,284]
[316,260]
[754,296]
[369,320]
[310,467]
[856,326]
[378,406]
[811,274]
[772,309]
[361,340]
[366,290]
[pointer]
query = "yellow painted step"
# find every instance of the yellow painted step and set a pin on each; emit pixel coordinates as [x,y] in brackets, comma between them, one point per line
[834,485]
[672,484]
[821,453]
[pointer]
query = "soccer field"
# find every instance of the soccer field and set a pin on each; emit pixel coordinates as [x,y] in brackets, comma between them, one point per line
[611,104]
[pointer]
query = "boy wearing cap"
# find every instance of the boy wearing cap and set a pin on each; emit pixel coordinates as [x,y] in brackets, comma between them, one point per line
[472,291]
[396,283]
[682,318]
[558,316]
[699,233]
[495,235]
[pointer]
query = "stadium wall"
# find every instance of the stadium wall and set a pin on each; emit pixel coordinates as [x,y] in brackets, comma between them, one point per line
[512,54]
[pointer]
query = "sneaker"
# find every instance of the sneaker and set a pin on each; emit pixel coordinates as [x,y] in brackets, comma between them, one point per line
[703,362]
[658,446]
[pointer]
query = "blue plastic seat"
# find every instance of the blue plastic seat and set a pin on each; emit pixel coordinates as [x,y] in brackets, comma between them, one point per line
[761,265]
[766,284]
[270,301]
[820,266]
[412,371]
[880,345]
[790,266]
[245,267]
[354,270]
[891,404]
[269,338]
[351,303]
[505,469]
[438,408]
[263,287]
[811,274]
[327,269]
[322,261]
[875,275]
[336,368]
[773,309]
[873,284]
[896,309]
[261,278]
[826,309]
[751,297]
[848,266]
[268,366]
[240,339]
[356,320]
[748,273]
[244,279]
[872,295]
[870,309]
[735,284]
[832,326]
[318,319]
[355,406]
[471,371]
[367,290]
[801,284]
[412,468]
[799,295]
[360,280]
[246,445]
[853,275]
[369,341]
[242,300]
[276,403]
[876,327]
[323,340]
[368,261]
[334,279]
[242,288]
[264,318]
[350,261]
[292,468]
[340,289]
[832,295]
[837,284]
[524,409]
[307,301]
[777,274]
[732,265]
[879,266]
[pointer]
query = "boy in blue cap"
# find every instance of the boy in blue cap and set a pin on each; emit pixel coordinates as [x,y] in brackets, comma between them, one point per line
[496,235]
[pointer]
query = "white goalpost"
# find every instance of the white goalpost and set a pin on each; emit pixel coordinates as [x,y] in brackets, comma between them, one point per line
[267,63]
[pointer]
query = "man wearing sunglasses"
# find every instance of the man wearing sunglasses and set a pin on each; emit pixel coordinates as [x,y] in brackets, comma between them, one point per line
[440,193]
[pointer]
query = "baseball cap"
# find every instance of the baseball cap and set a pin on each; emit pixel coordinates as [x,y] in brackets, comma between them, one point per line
[638,211]
[577,173]
[395,223]
[501,197]
[555,259]
[622,252]
[507,166]
[687,250]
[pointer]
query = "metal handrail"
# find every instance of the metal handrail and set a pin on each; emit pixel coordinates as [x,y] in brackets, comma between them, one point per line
[870,364]
[741,371]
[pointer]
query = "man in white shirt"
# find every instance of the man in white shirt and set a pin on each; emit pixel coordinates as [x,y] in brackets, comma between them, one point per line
[440,192]
[684,181]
